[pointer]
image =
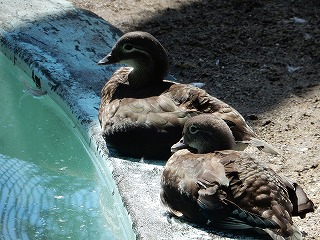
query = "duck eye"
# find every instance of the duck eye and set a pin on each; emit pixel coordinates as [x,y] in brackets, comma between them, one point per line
[193,129]
[127,47]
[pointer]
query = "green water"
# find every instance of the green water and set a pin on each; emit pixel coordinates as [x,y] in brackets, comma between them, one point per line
[49,185]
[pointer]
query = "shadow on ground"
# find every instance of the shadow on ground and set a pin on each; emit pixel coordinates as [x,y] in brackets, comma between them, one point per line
[252,54]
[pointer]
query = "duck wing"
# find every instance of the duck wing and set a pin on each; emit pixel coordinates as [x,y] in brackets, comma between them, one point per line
[216,197]
[256,198]
[259,190]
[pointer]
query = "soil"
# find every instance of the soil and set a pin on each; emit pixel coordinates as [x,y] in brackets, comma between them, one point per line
[261,57]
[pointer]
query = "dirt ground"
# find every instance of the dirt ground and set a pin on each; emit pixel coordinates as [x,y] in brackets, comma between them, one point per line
[261,57]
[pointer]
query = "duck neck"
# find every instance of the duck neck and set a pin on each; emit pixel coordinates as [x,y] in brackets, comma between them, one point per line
[148,72]
[142,77]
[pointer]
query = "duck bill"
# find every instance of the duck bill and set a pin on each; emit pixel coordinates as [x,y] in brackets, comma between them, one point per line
[178,146]
[109,59]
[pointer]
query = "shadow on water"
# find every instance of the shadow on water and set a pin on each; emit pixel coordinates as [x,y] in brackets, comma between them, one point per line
[251,54]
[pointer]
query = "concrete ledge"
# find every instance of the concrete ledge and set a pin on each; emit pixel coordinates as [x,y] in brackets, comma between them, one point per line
[59,46]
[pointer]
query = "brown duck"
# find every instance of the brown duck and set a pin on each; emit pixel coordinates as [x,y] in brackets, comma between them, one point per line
[142,115]
[228,189]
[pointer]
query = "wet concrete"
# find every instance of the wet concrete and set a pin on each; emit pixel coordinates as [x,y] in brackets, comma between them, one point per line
[59,47]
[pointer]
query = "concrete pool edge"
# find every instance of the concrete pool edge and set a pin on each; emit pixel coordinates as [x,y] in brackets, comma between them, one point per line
[58,47]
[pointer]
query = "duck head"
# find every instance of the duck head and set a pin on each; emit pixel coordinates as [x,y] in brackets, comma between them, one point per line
[144,53]
[205,133]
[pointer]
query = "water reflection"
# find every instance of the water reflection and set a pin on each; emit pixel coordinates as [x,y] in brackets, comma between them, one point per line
[37,202]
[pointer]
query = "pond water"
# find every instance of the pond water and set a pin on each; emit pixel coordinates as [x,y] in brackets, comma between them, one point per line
[50,187]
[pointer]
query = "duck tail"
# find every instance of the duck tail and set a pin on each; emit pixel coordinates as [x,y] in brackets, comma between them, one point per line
[305,205]
[298,197]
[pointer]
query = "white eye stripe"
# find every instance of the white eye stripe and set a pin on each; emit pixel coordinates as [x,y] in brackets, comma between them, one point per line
[138,50]
[133,49]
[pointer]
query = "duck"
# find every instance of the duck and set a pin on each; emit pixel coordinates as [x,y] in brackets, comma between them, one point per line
[206,182]
[142,114]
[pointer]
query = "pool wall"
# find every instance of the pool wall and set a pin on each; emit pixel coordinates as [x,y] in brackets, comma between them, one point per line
[59,46]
